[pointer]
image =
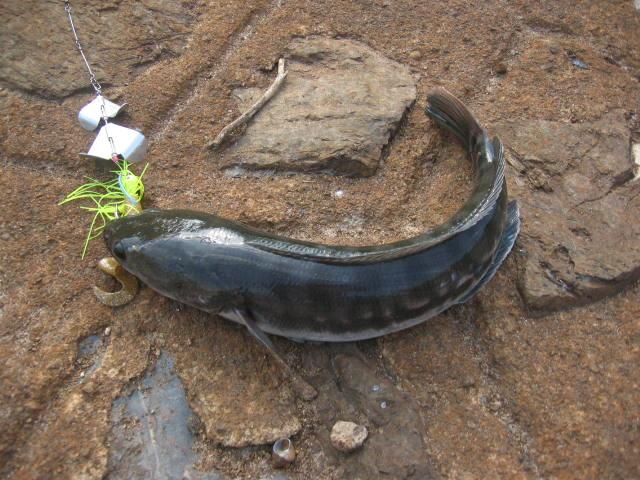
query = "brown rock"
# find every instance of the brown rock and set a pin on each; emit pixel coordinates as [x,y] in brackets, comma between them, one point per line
[339,106]
[575,195]
[49,65]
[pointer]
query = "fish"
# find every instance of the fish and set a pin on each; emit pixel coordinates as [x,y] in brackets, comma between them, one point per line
[305,291]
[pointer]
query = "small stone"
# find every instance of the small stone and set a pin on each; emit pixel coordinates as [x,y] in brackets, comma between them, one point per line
[5,236]
[348,436]
[107,331]
[554,50]
[579,64]
[415,54]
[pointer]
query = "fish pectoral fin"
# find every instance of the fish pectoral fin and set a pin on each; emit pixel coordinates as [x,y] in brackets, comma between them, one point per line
[508,239]
[300,385]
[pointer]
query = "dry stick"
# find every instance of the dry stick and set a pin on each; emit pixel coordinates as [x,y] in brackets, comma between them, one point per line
[246,116]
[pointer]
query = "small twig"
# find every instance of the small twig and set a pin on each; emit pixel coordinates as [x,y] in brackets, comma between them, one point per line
[246,116]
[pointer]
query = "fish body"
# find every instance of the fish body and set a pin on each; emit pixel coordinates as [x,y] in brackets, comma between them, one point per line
[308,291]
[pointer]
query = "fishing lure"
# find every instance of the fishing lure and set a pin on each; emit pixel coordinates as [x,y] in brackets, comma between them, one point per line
[109,200]
[308,291]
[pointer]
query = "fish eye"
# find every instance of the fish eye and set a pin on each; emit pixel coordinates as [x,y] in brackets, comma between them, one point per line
[119,251]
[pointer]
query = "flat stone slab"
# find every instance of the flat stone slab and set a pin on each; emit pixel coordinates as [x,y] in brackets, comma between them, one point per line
[338,108]
[575,184]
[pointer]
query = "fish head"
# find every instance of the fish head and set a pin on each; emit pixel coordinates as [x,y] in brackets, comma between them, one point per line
[128,238]
[166,249]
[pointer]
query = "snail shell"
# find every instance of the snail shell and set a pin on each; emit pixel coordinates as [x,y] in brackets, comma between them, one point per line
[283,453]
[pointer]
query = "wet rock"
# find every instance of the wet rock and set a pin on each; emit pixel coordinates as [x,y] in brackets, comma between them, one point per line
[348,436]
[151,437]
[437,365]
[240,397]
[119,40]
[91,352]
[352,388]
[573,185]
[339,106]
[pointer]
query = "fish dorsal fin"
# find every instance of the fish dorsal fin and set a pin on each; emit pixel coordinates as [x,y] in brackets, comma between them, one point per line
[488,160]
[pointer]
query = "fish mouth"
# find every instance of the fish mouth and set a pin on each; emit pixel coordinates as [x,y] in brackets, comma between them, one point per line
[114,239]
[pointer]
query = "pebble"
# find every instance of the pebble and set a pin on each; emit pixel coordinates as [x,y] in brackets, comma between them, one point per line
[348,436]
[415,54]
[107,331]
[579,64]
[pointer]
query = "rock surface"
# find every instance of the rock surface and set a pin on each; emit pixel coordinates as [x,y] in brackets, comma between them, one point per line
[351,388]
[348,436]
[340,105]
[496,388]
[48,65]
[575,185]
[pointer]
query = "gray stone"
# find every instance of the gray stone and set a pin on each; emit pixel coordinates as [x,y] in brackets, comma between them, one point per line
[579,203]
[151,434]
[348,436]
[339,107]
[120,39]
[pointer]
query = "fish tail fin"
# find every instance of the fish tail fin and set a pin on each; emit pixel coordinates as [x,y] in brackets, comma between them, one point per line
[509,235]
[452,114]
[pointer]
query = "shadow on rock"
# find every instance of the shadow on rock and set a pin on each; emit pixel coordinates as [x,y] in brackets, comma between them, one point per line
[352,389]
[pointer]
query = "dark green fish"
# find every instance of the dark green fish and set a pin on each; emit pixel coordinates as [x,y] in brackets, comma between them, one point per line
[309,291]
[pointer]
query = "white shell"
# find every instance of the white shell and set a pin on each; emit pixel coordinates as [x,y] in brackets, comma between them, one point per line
[91,114]
[131,144]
